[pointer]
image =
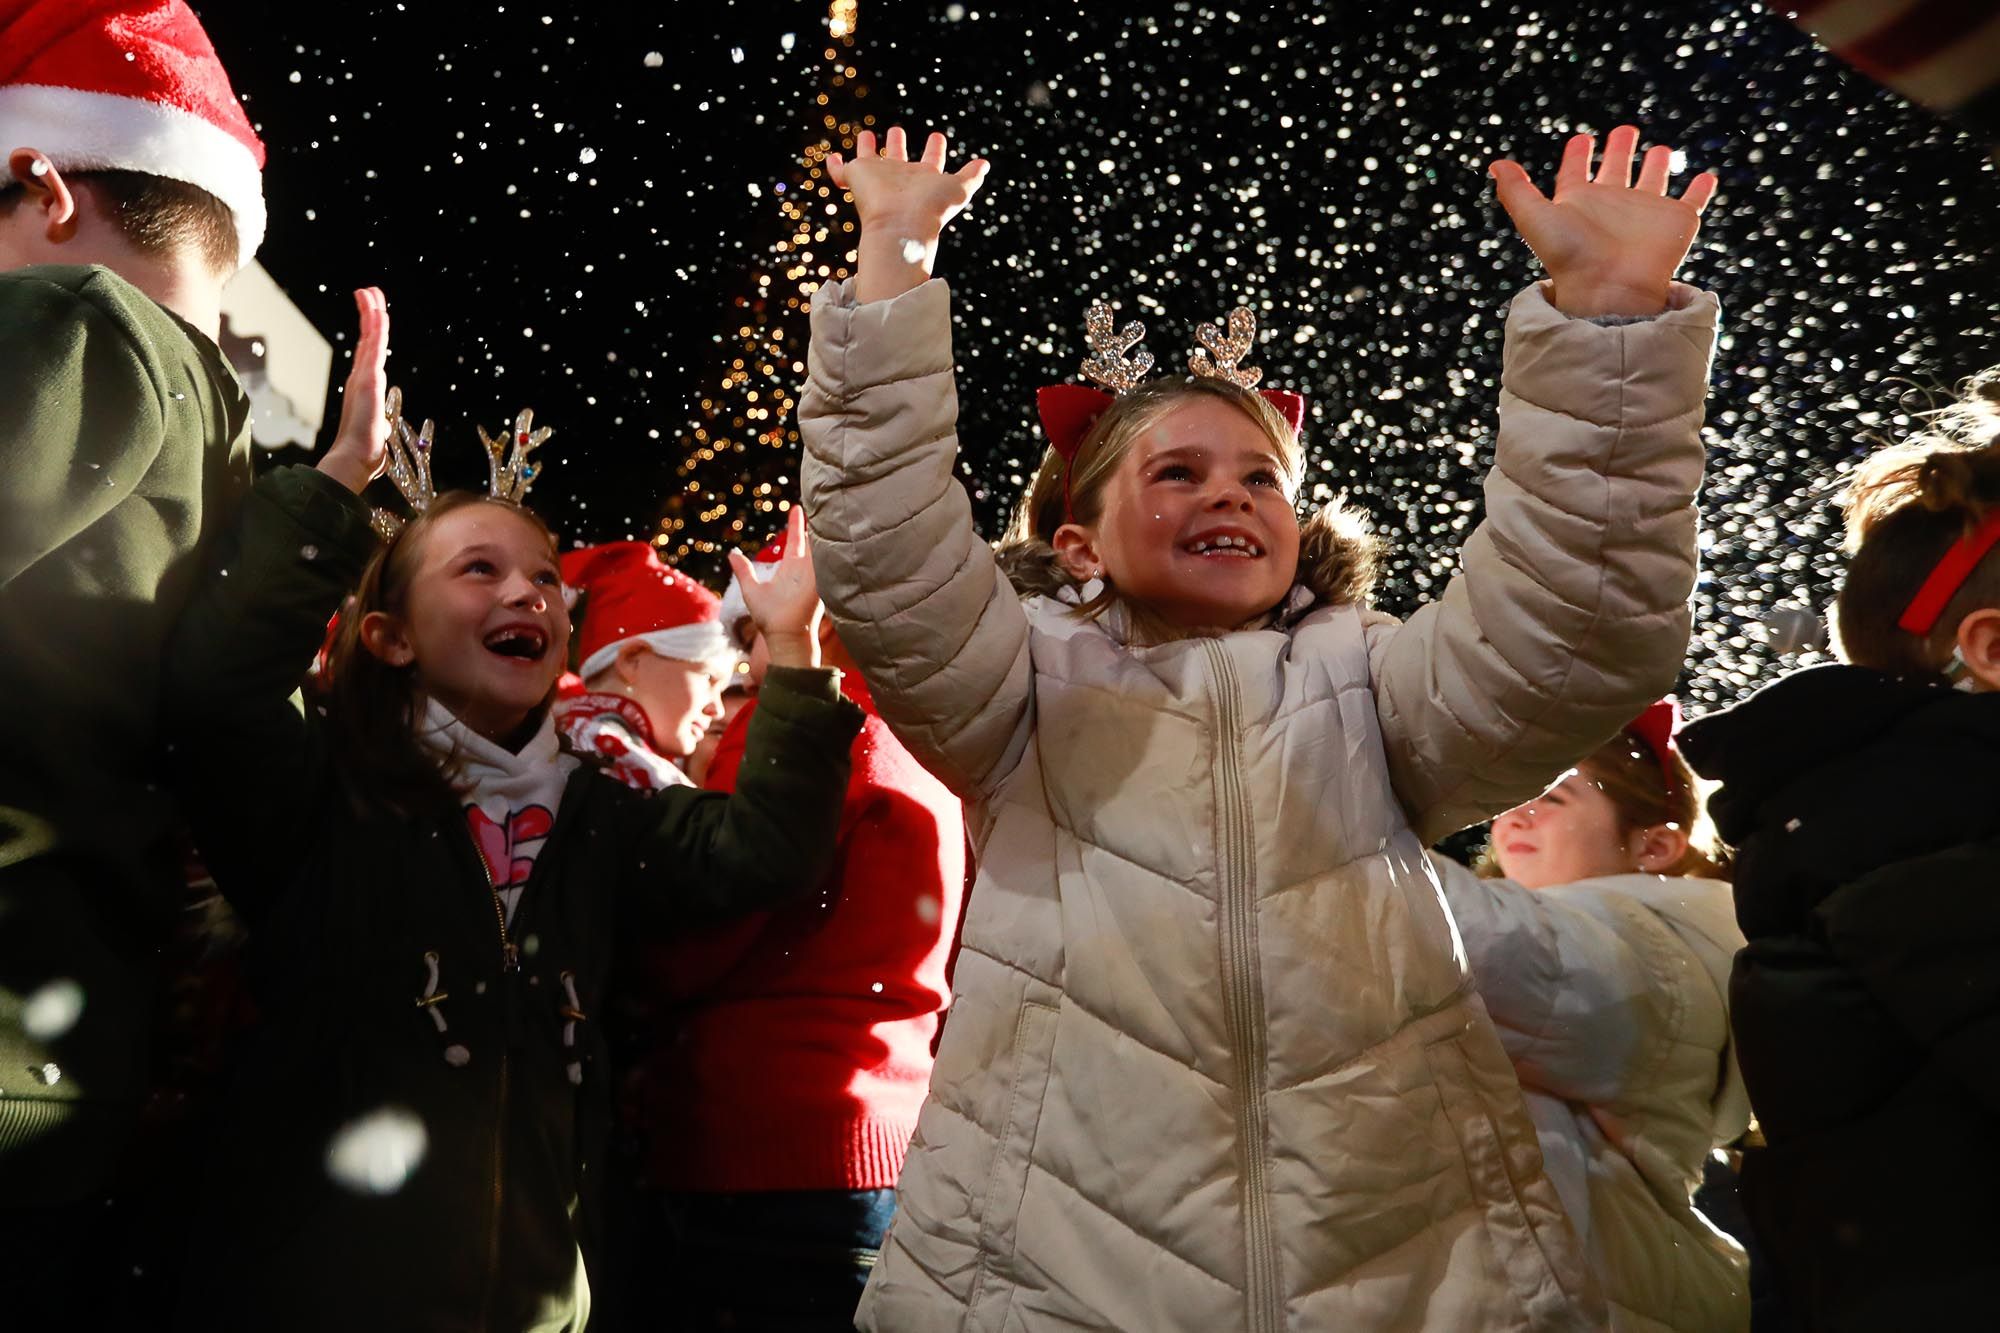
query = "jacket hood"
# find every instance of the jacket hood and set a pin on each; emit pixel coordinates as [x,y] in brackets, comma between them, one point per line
[1818,717]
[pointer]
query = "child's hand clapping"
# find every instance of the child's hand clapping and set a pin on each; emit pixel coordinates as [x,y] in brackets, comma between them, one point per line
[786,605]
[360,450]
[903,206]
[1610,247]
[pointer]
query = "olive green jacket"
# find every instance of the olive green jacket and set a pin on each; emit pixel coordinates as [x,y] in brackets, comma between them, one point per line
[124,441]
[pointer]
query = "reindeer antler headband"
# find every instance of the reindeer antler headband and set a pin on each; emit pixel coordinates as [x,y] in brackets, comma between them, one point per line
[1068,410]
[410,462]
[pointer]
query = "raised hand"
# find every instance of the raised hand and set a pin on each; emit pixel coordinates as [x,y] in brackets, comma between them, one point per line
[1610,245]
[360,450]
[785,605]
[903,206]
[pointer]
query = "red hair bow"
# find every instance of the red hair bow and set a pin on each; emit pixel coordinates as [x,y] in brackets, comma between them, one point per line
[1067,411]
[1657,727]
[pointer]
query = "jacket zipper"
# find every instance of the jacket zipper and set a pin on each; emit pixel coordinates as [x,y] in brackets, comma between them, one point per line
[1243,1000]
[510,962]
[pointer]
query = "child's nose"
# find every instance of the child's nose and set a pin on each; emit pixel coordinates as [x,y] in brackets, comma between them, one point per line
[1230,495]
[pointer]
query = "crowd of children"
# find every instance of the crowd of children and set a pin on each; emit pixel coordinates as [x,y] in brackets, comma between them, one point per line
[612,952]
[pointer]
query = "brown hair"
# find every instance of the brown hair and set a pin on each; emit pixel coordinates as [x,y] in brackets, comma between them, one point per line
[370,704]
[1647,790]
[1646,793]
[1337,553]
[157,215]
[1905,508]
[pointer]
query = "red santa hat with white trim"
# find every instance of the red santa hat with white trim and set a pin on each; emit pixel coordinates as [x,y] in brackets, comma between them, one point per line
[129,85]
[629,596]
[763,568]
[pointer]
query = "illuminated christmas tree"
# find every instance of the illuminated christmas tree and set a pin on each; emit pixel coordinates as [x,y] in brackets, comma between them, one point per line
[739,457]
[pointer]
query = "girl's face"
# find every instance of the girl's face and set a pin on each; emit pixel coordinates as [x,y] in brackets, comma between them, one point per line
[1197,524]
[483,623]
[1569,833]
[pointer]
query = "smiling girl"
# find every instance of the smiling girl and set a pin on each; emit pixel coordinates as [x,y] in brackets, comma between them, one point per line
[1214,1060]
[434,889]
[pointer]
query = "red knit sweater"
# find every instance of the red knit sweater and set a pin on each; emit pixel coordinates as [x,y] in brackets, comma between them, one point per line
[801,1050]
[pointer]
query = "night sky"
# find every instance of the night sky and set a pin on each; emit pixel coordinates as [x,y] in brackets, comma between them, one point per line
[568,210]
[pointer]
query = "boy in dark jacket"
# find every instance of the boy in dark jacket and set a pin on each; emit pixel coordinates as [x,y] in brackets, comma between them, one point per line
[131,192]
[1866,1005]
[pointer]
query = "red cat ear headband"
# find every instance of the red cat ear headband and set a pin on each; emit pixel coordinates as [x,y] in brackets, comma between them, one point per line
[1657,727]
[1068,410]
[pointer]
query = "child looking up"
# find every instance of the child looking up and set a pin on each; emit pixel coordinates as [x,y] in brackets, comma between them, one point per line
[1604,957]
[1867,1003]
[435,891]
[655,659]
[1214,1059]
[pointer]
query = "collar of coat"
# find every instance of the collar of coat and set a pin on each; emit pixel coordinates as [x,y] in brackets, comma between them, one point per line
[1118,621]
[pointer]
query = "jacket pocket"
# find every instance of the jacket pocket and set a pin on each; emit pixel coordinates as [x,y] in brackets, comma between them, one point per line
[1031,1057]
[1524,1223]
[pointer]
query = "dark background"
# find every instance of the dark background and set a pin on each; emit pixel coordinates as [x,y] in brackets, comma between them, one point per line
[567,207]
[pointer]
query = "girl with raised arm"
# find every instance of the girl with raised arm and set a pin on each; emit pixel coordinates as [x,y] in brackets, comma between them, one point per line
[435,888]
[1214,1059]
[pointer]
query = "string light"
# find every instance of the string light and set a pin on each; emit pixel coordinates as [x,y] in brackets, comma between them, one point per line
[739,457]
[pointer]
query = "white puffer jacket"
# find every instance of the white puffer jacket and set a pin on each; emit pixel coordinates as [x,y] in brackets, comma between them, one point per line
[1214,1060]
[1611,996]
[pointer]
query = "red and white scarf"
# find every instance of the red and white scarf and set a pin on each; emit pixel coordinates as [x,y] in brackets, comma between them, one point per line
[509,798]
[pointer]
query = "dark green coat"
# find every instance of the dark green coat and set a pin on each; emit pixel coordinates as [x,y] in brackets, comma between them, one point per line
[124,441]
[346,906]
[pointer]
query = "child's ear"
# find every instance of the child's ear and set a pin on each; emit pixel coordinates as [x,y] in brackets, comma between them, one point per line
[382,635]
[1076,547]
[625,666]
[1979,645]
[1661,848]
[31,169]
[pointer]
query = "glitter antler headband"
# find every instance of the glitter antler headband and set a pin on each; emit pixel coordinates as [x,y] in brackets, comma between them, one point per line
[510,481]
[1227,349]
[1108,363]
[1067,410]
[410,462]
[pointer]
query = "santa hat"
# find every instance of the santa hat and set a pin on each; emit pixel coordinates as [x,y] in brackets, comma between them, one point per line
[763,568]
[129,85]
[633,598]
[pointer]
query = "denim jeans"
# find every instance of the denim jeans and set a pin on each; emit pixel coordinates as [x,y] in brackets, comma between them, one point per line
[777,1262]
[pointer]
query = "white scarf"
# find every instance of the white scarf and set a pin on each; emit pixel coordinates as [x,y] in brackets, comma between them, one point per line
[509,798]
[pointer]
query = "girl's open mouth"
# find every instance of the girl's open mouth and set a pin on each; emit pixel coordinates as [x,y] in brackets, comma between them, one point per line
[1225,545]
[518,642]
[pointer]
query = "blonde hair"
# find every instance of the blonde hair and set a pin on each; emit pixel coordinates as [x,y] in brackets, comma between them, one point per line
[1905,508]
[1337,553]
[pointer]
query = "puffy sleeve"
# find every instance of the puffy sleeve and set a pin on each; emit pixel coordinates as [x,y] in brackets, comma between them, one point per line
[1570,611]
[918,599]
[1584,989]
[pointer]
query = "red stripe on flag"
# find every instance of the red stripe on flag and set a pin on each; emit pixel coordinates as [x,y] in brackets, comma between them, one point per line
[1918,34]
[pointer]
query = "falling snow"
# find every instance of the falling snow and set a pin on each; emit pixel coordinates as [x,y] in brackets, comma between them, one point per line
[1326,166]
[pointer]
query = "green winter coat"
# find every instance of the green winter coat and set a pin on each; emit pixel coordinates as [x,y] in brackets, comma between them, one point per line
[124,440]
[349,909]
